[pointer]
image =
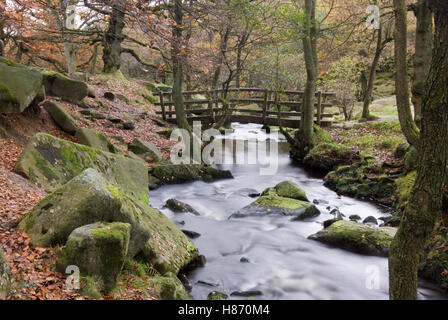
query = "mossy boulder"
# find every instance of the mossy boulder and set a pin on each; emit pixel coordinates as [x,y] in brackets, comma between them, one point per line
[68,89]
[98,249]
[172,174]
[5,276]
[90,198]
[61,117]
[435,262]
[86,199]
[287,206]
[19,87]
[287,189]
[179,206]
[357,238]
[95,139]
[51,162]
[169,288]
[286,198]
[363,181]
[146,149]
[326,157]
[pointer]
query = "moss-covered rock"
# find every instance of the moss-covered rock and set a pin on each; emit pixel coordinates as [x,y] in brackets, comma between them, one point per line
[97,249]
[148,150]
[95,139]
[169,288]
[172,174]
[61,86]
[90,198]
[287,189]
[179,206]
[51,162]
[273,204]
[287,206]
[61,117]
[5,276]
[216,295]
[434,266]
[19,87]
[326,157]
[364,181]
[358,238]
[86,199]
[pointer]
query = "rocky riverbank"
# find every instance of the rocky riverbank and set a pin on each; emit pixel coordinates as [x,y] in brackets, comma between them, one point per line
[373,162]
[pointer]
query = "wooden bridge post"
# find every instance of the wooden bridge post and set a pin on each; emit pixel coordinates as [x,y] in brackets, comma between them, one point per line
[162,104]
[319,107]
[171,106]
[265,105]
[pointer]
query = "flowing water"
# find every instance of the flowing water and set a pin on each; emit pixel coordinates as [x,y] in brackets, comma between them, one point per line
[282,262]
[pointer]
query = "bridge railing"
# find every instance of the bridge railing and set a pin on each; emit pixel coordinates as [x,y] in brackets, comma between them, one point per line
[209,106]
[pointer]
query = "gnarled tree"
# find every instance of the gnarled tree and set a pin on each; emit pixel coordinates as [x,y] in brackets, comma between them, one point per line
[425,204]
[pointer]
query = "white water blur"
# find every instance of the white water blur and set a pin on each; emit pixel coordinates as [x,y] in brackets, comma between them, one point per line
[283,263]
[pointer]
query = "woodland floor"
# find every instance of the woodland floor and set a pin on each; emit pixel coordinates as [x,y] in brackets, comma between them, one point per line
[32,267]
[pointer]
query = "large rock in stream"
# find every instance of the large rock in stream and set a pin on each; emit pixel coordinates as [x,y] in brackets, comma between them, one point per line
[51,162]
[5,276]
[90,198]
[19,87]
[99,249]
[357,238]
[286,198]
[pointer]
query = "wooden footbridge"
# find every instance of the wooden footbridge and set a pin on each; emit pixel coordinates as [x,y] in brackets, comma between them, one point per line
[247,105]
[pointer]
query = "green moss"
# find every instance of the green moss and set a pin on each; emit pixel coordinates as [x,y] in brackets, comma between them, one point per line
[404,187]
[281,202]
[169,288]
[356,237]
[321,136]
[45,166]
[6,95]
[290,190]
[91,287]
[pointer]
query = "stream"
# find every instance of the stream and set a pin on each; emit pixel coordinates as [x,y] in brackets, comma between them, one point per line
[278,259]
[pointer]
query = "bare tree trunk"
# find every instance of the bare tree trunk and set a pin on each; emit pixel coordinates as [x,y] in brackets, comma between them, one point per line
[69,47]
[309,45]
[408,126]
[372,75]
[113,38]
[94,58]
[176,57]
[222,52]
[422,58]
[425,204]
